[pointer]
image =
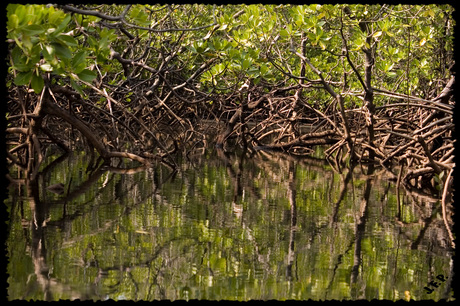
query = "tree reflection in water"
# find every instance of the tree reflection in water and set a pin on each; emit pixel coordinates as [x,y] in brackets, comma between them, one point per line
[252,225]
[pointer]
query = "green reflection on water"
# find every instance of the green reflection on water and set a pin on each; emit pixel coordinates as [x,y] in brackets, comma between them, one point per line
[222,228]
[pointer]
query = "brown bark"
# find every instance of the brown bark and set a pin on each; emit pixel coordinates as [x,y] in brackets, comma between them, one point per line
[53,109]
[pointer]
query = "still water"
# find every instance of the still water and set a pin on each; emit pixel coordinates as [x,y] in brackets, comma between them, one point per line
[223,227]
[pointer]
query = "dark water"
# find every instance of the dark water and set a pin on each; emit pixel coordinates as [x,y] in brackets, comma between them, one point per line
[224,227]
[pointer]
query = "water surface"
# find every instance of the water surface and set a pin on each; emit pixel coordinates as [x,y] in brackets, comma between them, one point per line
[223,227]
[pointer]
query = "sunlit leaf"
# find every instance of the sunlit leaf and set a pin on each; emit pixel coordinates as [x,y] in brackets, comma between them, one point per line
[392,74]
[33,29]
[63,24]
[46,67]
[246,63]
[13,22]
